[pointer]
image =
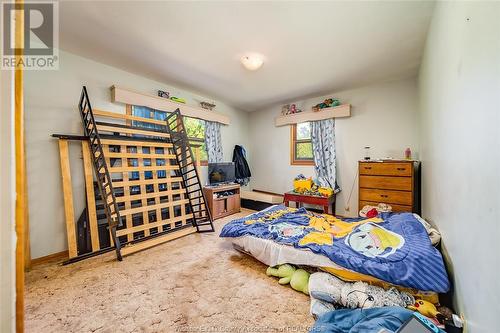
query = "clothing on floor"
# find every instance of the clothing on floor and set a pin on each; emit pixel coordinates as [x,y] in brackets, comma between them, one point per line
[242,170]
[328,288]
[362,320]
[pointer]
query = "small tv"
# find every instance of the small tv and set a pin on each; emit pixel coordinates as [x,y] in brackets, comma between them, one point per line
[221,173]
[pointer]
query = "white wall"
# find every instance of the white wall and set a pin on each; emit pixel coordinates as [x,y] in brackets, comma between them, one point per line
[384,117]
[460,150]
[51,99]
[7,202]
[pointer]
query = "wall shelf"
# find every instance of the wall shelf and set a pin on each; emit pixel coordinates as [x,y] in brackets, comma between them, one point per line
[343,110]
[127,96]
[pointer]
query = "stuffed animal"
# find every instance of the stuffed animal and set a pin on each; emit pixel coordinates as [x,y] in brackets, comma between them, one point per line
[425,308]
[329,102]
[298,278]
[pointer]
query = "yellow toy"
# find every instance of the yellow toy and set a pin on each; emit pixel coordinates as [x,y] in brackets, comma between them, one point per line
[302,185]
[325,191]
[425,308]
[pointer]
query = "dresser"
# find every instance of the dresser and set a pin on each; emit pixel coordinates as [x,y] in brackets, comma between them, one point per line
[396,183]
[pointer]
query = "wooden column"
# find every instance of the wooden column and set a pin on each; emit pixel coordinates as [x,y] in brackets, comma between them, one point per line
[68,197]
[21,204]
[89,186]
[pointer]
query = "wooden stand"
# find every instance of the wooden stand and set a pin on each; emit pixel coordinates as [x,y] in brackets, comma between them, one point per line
[301,199]
[221,205]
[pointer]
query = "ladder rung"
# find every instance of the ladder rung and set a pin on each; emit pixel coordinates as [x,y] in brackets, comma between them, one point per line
[185,159]
[204,223]
[193,177]
[187,168]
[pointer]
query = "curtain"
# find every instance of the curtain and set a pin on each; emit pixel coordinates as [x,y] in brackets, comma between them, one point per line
[323,142]
[213,141]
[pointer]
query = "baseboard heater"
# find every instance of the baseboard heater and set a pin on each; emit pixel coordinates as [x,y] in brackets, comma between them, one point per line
[259,200]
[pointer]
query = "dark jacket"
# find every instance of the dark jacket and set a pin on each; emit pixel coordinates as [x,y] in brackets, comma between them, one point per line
[242,171]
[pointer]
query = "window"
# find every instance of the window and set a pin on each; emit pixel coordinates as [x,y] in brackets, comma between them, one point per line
[301,152]
[195,128]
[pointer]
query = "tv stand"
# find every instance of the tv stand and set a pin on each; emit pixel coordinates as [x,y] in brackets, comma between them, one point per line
[223,200]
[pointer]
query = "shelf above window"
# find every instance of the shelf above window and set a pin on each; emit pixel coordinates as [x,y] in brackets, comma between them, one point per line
[131,97]
[343,110]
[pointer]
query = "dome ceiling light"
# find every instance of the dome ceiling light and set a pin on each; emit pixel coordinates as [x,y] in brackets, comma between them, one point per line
[253,61]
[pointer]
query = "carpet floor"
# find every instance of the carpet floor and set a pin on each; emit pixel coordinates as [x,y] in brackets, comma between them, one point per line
[197,283]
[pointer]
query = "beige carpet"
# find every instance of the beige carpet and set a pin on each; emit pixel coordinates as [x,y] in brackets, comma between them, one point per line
[197,283]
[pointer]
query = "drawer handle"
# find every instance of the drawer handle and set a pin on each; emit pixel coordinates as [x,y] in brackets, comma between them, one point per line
[368,168]
[401,169]
[384,195]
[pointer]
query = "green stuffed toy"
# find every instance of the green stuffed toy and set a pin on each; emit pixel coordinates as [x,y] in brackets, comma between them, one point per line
[298,278]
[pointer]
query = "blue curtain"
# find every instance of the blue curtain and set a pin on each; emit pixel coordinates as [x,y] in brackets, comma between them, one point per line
[323,142]
[213,142]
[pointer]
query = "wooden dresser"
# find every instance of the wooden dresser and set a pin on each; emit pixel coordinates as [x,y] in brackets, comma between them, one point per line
[396,183]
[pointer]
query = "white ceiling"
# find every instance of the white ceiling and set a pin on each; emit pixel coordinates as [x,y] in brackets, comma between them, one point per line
[311,48]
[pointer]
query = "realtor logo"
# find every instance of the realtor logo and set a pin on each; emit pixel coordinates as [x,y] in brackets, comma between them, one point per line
[40,41]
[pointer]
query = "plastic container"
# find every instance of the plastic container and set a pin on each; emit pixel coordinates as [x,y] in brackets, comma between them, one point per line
[367,154]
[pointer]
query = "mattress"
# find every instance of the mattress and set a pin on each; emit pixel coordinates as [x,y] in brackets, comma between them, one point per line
[273,254]
[394,248]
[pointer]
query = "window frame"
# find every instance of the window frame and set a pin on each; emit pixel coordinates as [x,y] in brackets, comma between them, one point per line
[129,111]
[293,148]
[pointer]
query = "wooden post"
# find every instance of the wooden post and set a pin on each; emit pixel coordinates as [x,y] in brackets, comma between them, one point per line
[68,197]
[21,206]
[89,185]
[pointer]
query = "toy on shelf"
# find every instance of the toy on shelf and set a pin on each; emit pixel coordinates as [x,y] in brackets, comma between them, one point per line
[207,105]
[164,94]
[327,103]
[298,278]
[289,109]
[178,99]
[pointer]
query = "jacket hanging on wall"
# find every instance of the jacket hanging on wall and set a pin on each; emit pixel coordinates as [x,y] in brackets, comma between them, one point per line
[242,171]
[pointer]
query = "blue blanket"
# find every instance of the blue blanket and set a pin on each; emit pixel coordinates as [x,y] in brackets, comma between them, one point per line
[392,247]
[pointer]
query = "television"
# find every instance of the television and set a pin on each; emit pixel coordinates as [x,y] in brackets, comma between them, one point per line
[221,173]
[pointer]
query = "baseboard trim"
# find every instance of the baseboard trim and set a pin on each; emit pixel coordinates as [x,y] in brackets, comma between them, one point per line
[63,255]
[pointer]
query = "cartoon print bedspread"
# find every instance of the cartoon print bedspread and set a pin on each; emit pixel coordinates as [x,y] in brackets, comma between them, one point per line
[394,247]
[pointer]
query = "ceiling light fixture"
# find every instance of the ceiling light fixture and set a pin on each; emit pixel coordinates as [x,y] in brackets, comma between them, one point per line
[253,61]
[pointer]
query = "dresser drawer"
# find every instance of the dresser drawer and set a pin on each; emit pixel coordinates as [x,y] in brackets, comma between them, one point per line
[387,196]
[395,207]
[386,183]
[385,169]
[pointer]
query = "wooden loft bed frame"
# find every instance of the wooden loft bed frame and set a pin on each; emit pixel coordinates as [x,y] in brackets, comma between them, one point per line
[153,181]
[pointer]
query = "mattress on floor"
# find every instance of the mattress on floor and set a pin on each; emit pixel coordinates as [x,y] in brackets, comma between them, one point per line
[273,254]
[394,248]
